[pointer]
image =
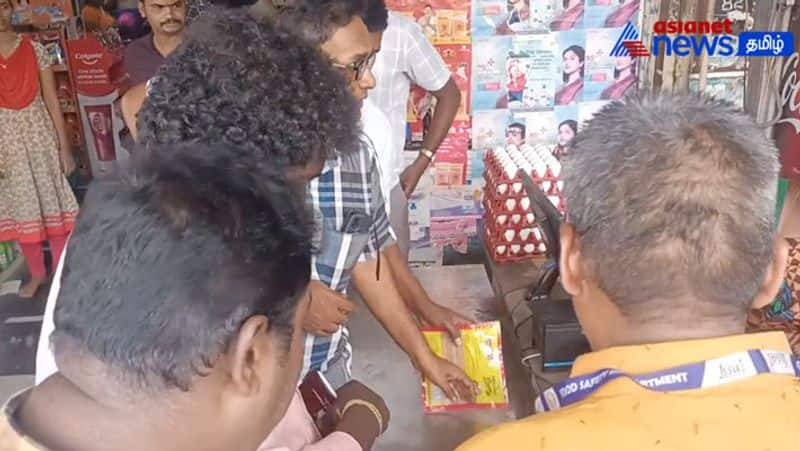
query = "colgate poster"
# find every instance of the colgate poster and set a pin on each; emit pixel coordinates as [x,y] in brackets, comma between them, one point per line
[91,66]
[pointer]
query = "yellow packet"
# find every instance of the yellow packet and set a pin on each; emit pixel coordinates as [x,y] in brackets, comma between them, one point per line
[481,357]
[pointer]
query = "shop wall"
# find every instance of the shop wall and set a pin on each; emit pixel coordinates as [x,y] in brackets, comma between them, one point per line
[539,63]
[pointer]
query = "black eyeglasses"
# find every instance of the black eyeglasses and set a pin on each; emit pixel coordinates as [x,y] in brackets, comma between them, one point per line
[358,68]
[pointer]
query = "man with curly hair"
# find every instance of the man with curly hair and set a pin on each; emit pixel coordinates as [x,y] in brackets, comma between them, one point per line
[351,213]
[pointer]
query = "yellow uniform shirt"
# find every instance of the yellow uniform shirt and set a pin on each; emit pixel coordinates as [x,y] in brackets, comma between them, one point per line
[761,413]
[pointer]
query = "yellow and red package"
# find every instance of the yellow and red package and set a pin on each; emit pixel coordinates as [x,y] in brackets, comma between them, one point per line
[481,357]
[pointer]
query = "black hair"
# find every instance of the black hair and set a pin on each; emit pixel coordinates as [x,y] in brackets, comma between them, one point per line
[573,124]
[317,20]
[376,16]
[164,267]
[244,81]
[580,52]
[518,125]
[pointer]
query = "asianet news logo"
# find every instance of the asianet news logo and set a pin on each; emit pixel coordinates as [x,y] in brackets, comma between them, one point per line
[702,37]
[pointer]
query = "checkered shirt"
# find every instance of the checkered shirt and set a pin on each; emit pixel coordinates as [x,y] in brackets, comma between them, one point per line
[349,185]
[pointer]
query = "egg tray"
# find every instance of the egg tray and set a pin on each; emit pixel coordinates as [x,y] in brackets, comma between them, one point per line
[493,216]
[498,175]
[493,249]
[512,205]
[515,190]
[515,234]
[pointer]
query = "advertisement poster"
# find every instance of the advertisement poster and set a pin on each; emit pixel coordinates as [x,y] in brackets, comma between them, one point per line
[451,159]
[489,73]
[530,68]
[607,77]
[459,59]
[489,128]
[92,66]
[442,21]
[611,13]
[572,61]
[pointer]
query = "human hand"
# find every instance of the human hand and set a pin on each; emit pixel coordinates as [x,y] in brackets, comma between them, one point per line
[67,161]
[357,418]
[453,381]
[434,315]
[411,175]
[328,311]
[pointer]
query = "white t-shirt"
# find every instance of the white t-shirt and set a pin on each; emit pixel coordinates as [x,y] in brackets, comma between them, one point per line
[45,360]
[376,128]
[406,58]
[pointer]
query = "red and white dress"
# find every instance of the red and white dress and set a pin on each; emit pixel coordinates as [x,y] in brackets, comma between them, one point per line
[36,201]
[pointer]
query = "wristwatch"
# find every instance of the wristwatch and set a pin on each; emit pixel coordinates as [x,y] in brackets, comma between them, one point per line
[427,153]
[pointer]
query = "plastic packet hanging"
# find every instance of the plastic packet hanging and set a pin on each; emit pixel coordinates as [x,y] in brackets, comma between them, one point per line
[481,357]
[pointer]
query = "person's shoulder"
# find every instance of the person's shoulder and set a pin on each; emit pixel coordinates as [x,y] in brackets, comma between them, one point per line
[534,433]
[403,25]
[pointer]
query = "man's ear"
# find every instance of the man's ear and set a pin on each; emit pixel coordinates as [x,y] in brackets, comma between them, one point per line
[570,261]
[141,9]
[775,276]
[247,355]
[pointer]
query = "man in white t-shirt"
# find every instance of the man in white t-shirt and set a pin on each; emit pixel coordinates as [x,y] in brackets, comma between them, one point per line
[407,58]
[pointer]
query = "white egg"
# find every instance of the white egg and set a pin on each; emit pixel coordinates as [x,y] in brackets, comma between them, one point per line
[530,218]
[540,169]
[537,234]
[515,249]
[555,168]
[501,249]
[542,247]
[529,248]
[509,235]
[515,219]
[510,204]
[502,188]
[560,185]
[501,219]
[525,203]
[555,200]
[517,187]
[546,186]
[524,233]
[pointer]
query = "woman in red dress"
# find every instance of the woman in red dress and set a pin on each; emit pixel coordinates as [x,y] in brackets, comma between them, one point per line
[623,14]
[573,12]
[624,79]
[574,57]
[36,202]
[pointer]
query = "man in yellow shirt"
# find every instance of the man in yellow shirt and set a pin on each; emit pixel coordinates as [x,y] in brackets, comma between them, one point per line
[670,239]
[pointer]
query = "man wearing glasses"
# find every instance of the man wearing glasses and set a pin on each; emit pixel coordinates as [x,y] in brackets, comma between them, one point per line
[515,134]
[354,233]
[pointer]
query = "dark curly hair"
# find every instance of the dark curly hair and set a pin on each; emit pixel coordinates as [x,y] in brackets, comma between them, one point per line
[318,20]
[243,81]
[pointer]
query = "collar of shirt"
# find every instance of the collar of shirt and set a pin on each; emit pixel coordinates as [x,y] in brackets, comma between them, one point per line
[653,357]
[11,438]
[330,165]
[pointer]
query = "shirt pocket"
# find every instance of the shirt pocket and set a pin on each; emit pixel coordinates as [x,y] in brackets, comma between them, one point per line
[338,253]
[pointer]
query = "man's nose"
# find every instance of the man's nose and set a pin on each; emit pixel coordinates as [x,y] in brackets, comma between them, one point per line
[367,80]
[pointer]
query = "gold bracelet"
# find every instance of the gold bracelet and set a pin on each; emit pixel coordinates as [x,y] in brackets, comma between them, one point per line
[368,405]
